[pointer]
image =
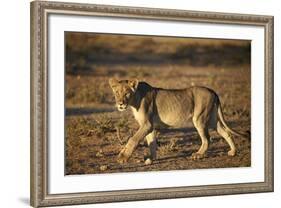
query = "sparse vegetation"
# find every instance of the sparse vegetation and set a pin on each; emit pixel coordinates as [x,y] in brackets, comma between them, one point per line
[96,132]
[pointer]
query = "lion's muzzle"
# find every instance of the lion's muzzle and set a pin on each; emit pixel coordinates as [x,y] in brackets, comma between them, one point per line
[121,106]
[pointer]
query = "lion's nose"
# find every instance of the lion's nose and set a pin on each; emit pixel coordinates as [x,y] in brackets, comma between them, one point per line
[120,103]
[121,106]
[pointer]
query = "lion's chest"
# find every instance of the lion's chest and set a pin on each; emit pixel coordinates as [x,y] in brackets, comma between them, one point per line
[138,115]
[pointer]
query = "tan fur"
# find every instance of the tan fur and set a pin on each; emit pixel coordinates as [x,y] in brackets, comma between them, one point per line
[169,107]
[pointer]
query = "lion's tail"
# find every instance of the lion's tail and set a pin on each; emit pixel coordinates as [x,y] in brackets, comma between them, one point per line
[227,128]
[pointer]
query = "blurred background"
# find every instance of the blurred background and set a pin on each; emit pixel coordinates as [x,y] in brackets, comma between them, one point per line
[168,62]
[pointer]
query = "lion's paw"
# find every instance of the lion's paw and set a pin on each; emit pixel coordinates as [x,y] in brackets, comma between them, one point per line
[231,153]
[122,157]
[148,161]
[197,156]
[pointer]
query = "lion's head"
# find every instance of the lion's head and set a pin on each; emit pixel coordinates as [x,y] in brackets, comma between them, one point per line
[124,91]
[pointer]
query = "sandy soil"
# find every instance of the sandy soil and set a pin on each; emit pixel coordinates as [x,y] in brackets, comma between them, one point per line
[92,121]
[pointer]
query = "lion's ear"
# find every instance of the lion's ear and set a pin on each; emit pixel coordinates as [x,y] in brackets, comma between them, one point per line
[133,83]
[113,82]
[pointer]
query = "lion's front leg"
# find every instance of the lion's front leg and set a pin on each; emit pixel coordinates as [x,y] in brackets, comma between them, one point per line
[152,145]
[133,142]
[126,152]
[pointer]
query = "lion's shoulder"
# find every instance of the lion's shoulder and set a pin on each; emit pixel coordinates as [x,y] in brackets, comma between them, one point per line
[144,86]
[145,89]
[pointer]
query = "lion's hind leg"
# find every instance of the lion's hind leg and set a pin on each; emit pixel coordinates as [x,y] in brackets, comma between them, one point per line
[202,130]
[227,137]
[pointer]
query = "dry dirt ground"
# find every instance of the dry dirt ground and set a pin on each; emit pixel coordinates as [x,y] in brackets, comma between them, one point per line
[92,122]
[92,144]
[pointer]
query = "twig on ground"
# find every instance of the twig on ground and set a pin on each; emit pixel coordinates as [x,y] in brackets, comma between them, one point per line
[119,135]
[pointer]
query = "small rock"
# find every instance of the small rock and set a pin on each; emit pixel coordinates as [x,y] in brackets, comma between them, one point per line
[83,139]
[221,153]
[103,167]
[138,161]
[99,154]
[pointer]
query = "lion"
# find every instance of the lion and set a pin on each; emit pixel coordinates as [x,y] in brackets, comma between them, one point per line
[174,108]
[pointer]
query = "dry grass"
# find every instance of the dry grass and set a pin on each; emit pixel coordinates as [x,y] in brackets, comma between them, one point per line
[96,132]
